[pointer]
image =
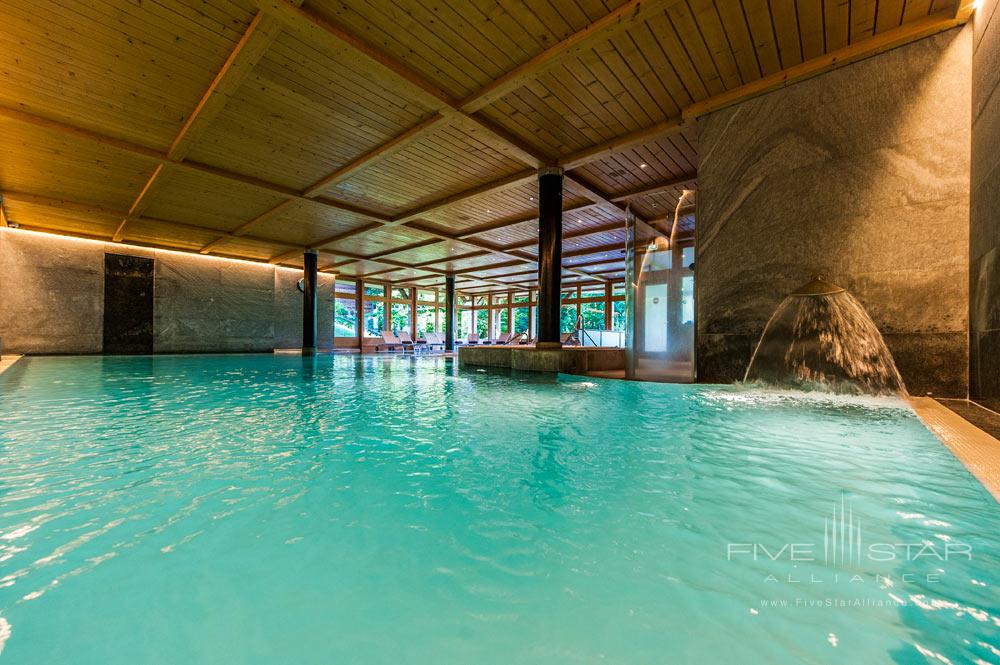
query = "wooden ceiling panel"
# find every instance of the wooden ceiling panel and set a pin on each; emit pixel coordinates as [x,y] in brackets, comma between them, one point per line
[380,240]
[36,161]
[444,162]
[507,204]
[665,159]
[82,222]
[134,70]
[201,200]
[245,248]
[301,115]
[608,255]
[460,44]
[305,223]
[438,251]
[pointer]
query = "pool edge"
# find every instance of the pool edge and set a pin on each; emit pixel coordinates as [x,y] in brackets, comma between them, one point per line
[7,362]
[974,448]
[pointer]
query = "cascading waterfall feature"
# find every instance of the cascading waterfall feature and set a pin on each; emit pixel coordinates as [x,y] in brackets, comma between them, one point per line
[820,337]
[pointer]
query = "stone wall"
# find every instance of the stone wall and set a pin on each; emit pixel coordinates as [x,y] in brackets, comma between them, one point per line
[860,175]
[52,299]
[984,266]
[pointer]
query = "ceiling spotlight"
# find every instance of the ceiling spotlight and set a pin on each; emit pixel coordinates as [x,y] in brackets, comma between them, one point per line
[642,166]
[531,198]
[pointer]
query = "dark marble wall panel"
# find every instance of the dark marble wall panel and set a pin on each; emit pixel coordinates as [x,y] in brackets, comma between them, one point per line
[860,175]
[52,299]
[984,241]
[128,304]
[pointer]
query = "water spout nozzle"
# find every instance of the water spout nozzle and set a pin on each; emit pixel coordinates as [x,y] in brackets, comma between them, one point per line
[817,287]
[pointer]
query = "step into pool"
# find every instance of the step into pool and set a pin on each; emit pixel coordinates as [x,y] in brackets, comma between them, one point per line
[279,509]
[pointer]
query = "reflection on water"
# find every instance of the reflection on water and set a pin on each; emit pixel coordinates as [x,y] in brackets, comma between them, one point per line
[384,510]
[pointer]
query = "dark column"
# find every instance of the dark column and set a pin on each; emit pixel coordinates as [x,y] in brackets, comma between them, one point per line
[309,302]
[449,313]
[550,182]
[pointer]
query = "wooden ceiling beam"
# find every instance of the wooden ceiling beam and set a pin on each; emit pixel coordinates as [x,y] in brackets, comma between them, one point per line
[377,155]
[629,14]
[622,143]
[504,183]
[657,188]
[505,223]
[257,38]
[159,157]
[884,41]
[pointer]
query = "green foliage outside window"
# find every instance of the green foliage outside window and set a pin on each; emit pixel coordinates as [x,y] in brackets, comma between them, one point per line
[520,319]
[345,318]
[567,318]
[618,315]
[400,318]
[593,315]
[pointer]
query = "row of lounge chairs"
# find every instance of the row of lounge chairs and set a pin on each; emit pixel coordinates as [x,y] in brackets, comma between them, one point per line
[435,341]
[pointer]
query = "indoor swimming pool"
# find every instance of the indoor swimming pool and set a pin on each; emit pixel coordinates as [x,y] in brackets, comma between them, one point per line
[258,508]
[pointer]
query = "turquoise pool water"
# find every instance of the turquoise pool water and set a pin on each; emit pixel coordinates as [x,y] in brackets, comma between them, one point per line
[257,509]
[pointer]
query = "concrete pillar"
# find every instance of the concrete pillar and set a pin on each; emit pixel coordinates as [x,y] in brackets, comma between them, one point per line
[550,184]
[309,278]
[449,313]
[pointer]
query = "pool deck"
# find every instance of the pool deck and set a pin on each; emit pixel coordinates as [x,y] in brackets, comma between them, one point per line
[977,450]
[7,361]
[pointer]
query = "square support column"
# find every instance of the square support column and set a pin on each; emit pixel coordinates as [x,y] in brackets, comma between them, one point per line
[550,186]
[309,279]
[449,313]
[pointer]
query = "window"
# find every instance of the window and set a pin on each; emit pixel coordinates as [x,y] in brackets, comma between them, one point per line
[374,317]
[520,297]
[618,289]
[567,318]
[483,323]
[500,300]
[520,319]
[464,301]
[593,315]
[687,300]
[400,293]
[687,257]
[426,296]
[344,286]
[500,322]
[345,317]
[442,319]
[425,318]
[482,301]
[465,323]
[592,292]
[568,294]
[618,315]
[401,317]
[376,290]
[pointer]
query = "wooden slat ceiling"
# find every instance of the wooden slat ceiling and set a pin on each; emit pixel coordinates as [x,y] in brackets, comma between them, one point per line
[399,138]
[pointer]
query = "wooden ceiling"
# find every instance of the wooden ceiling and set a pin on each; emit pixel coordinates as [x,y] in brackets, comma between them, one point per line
[400,138]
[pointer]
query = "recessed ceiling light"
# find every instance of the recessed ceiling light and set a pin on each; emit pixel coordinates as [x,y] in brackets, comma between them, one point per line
[531,198]
[642,166]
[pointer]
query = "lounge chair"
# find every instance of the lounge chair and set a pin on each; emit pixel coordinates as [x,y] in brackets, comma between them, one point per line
[406,340]
[389,341]
[434,340]
[473,338]
[504,339]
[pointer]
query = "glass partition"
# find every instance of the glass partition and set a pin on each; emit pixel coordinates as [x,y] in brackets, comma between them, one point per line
[658,309]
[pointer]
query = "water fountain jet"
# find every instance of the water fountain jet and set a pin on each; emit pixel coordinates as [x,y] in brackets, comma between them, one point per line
[820,337]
